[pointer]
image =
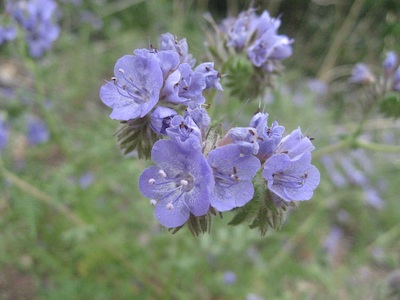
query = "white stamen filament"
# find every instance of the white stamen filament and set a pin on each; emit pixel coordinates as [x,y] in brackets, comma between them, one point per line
[121,71]
[184,182]
[153,202]
[162,173]
[152,181]
[170,206]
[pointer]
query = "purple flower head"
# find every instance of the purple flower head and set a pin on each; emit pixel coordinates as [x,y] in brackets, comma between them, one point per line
[170,42]
[179,185]
[38,132]
[332,242]
[268,137]
[242,29]
[295,144]
[7,34]
[396,80]
[160,119]
[361,74]
[136,86]
[291,179]
[265,23]
[185,132]
[335,175]
[391,61]
[184,87]
[200,116]
[233,174]
[38,18]
[269,46]
[4,133]
[245,137]
[230,277]
[212,76]
[169,61]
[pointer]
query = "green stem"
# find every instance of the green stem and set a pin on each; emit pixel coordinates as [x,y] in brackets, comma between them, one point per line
[332,148]
[378,147]
[49,118]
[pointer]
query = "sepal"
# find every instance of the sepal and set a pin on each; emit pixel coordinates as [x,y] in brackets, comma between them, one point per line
[136,135]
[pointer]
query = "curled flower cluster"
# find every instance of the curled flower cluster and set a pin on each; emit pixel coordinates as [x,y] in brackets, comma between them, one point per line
[38,20]
[199,172]
[151,80]
[257,36]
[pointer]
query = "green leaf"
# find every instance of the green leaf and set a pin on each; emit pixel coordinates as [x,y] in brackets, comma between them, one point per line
[390,106]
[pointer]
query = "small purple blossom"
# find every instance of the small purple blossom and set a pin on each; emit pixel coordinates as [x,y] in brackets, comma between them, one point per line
[7,34]
[185,132]
[361,74]
[86,180]
[160,119]
[291,179]
[212,76]
[295,144]
[136,86]
[268,137]
[179,185]
[170,42]
[396,80]
[391,62]
[233,174]
[38,132]
[38,18]
[200,116]
[184,86]
[269,46]
[245,137]
[230,277]
[4,133]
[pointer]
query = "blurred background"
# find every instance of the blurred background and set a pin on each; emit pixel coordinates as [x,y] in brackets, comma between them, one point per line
[73,224]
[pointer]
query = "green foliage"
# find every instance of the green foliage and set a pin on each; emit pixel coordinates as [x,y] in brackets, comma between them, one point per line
[60,239]
[390,106]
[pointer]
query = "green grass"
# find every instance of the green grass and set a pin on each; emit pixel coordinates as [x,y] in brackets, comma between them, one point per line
[59,240]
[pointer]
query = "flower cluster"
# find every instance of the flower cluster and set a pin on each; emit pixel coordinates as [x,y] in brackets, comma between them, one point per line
[251,51]
[157,78]
[385,86]
[38,19]
[198,171]
[257,35]
[7,34]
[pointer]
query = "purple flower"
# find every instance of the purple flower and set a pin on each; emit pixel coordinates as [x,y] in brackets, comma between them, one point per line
[38,132]
[212,76]
[295,144]
[200,116]
[38,18]
[230,277]
[269,46]
[184,87]
[185,132]
[179,185]
[245,137]
[160,119]
[335,175]
[291,179]
[4,133]
[332,241]
[136,87]
[391,61]
[7,34]
[242,29]
[86,180]
[268,137]
[396,80]
[361,74]
[233,174]
[170,42]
